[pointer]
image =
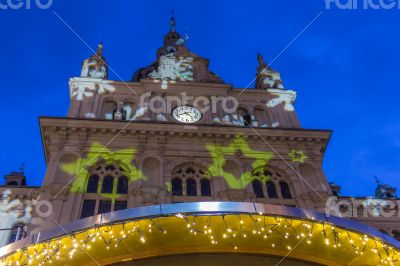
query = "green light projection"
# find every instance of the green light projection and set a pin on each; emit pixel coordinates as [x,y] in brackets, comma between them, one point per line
[219,153]
[97,152]
[168,186]
[297,156]
[239,144]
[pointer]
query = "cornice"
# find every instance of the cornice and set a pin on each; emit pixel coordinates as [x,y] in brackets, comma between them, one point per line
[55,131]
[83,127]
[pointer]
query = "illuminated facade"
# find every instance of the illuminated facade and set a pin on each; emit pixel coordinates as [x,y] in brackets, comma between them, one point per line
[177,133]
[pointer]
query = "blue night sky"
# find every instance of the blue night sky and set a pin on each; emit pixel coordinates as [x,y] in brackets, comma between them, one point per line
[345,68]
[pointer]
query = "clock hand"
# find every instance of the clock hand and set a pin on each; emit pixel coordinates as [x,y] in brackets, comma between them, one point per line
[189,114]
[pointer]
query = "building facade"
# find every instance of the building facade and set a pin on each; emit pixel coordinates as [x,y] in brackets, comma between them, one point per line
[176,132]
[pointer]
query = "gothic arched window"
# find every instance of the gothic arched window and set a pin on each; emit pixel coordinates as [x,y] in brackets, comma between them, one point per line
[285,190]
[191,188]
[244,117]
[108,178]
[193,177]
[257,189]
[271,190]
[108,184]
[176,187]
[205,186]
[122,186]
[17,233]
[93,184]
[274,181]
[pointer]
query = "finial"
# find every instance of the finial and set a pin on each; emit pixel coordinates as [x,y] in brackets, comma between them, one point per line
[377,180]
[100,48]
[172,21]
[21,169]
[260,59]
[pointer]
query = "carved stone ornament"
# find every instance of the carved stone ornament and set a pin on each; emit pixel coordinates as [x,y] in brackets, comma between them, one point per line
[150,194]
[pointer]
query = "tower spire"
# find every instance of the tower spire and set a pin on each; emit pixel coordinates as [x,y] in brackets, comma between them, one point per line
[172,22]
[21,169]
[377,180]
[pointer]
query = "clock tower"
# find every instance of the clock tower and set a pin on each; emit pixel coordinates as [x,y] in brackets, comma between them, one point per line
[176,132]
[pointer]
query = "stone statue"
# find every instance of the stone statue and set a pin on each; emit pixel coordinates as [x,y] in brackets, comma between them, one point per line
[95,66]
[267,78]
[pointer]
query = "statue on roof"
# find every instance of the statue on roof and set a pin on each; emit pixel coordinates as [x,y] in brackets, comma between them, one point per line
[384,191]
[95,66]
[267,78]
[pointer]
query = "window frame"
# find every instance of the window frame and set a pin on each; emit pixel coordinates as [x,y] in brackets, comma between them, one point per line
[103,170]
[16,234]
[258,185]
[187,171]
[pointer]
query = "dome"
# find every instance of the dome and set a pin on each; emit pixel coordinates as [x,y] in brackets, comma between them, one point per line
[176,62]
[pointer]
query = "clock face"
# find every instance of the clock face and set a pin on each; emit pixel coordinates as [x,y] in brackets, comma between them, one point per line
[186,114]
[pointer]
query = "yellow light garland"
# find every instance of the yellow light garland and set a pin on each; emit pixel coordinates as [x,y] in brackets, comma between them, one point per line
[237,232]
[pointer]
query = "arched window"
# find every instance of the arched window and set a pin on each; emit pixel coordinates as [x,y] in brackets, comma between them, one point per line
[285,190]
[176,187]
[271,190]
[205,185]
[388,195]
[257,189]
[17,233]
[191,188]
[93,184]
[193,176]
[108,110]
[12,183]
[107,184]
[122,187]
[244,117]
[108,178]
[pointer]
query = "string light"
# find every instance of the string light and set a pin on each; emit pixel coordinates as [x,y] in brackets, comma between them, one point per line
[231,230]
